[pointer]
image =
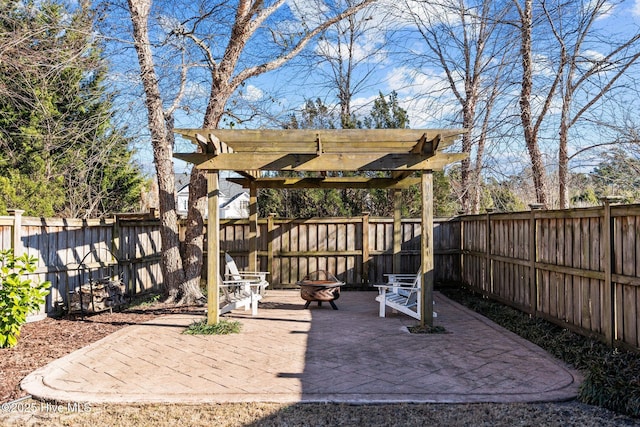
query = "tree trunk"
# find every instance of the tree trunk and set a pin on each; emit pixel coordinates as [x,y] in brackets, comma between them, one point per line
[466,175]
[171,264]
[194,234]
[530,134]
[185,284]
[563,157]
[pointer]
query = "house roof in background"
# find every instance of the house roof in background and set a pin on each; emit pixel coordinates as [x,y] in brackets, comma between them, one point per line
[234,198]
[227,187]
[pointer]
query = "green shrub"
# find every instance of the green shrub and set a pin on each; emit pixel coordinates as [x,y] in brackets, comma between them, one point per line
[613,382]
[18,296]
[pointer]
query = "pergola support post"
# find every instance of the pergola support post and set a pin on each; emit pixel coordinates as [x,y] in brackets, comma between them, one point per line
[426,250]
[253,227]
[365,248]
[213,248]
[397,230]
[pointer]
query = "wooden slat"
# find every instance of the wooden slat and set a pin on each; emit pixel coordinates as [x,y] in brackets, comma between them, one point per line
[357,182]
[306,139]
[364,161]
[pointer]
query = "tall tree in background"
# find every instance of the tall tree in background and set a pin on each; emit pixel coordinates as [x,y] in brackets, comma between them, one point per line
[469,44]
[618,174]
[531,117]
[221,37]
[590,71]
[351,49]
[388,114]
[61,152]
[385,113]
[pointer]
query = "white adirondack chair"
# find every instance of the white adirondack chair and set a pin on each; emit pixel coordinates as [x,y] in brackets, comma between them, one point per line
[241,289]
[401,293]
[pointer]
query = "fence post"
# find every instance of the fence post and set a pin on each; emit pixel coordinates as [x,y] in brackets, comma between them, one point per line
[253,227]
[533,274]
[488,273]
[16,243]
[397,230]
[365,248]
[270,260]
[460,263]
[116,248]
[608,303]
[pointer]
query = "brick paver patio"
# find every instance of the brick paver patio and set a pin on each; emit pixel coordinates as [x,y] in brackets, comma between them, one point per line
[289,354]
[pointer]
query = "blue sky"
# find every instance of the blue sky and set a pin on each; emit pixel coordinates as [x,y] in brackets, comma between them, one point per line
[284,91]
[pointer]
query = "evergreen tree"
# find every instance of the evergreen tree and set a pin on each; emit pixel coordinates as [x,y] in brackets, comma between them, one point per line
[618,174]
[61,152]
[305,203]
[387,114]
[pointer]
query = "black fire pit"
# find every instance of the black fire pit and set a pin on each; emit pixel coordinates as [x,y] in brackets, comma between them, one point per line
[320,286]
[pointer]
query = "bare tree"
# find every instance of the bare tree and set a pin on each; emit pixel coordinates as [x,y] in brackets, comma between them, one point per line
[473,49]
[588,74]
[351,50]
[227,53]
[532,122]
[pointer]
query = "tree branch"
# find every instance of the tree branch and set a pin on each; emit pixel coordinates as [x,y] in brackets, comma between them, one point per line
[271,65]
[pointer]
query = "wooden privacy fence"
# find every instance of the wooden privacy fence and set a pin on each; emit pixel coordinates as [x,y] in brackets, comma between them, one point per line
[578,268]
[358,251]
[69,251]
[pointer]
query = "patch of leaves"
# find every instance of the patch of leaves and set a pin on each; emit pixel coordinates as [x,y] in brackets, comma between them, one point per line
[223,327]
[426,329]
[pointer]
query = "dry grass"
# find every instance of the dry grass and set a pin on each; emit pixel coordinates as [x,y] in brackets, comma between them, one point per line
[281,415]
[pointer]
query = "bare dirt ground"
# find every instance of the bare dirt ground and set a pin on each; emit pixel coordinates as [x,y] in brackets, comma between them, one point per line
[44,341]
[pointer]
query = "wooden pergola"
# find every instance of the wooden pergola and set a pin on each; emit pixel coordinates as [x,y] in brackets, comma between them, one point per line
[400,154]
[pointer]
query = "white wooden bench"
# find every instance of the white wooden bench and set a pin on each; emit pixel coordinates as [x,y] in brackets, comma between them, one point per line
[241,288]
[401,293]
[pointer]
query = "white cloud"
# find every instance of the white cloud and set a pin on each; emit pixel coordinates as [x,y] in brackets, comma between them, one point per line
[252,93]
[408,81]
[636,8]
[424,94]
[542,66]
[368,51]
[363,103]
[593,55]
[605,10]
[197,90]
[311,12]
[410,12]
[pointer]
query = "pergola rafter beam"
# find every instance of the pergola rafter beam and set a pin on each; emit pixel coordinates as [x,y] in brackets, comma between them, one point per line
[297,141]
[356,182]
[326,162]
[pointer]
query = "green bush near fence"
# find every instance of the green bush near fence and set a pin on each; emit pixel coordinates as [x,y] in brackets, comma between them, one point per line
[19,296]
[612,376]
